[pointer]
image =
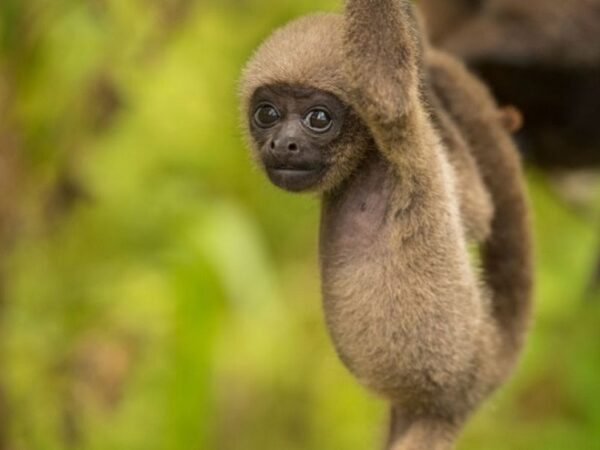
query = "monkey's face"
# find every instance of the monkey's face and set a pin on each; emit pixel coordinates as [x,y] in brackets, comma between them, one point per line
[302,137]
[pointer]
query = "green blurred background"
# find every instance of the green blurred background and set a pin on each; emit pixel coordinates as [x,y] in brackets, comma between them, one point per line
[158,293]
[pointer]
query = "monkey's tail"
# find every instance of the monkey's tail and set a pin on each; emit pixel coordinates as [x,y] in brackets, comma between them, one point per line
[507,254]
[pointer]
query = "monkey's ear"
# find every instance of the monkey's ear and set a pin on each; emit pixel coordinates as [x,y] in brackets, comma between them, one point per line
[511,117]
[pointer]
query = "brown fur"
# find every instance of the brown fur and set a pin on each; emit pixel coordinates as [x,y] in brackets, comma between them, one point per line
[406,310]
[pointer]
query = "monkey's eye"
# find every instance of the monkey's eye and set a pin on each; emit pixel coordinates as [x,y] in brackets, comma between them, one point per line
[318,120]
[266,116]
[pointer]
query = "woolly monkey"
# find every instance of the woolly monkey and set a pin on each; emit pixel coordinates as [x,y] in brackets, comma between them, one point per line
[412,160]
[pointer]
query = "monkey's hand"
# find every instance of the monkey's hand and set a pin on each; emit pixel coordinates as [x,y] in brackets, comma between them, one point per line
[382,52]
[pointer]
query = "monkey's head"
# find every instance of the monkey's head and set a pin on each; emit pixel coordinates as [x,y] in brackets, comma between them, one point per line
[300,126]
[305,138]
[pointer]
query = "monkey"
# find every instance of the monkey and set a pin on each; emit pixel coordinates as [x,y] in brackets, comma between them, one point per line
[390,132]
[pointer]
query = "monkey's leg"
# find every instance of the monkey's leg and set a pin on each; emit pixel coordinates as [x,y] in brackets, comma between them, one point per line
[420,433]
[476,208]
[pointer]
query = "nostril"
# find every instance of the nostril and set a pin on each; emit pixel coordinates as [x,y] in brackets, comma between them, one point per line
[292,147]
[272,145]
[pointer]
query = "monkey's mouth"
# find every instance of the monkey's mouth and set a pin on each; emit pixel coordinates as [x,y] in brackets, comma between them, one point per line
[296,178]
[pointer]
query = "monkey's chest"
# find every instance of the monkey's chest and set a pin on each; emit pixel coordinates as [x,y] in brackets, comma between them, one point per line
[356,218]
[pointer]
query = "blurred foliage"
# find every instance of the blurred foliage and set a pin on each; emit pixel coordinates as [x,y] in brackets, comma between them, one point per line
[159,294]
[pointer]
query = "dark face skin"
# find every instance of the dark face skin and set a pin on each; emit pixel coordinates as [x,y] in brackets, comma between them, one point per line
[295,128]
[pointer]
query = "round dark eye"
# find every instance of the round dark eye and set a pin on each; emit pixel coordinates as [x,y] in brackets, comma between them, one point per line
[318,120]
[266,116]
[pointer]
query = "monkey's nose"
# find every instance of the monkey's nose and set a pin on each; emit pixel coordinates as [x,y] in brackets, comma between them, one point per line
[284,146]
